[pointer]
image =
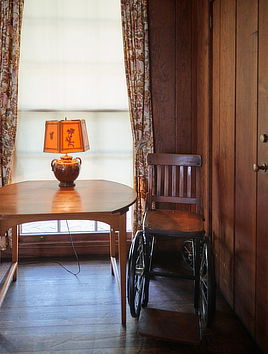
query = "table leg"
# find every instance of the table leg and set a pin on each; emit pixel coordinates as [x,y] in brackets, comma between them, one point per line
[15,250]
[11,274]
[122,247]
[112,247]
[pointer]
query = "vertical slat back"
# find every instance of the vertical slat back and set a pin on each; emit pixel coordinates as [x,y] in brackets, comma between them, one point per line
[173,181]
[189,181]
[150,185]
[166,181]
[158,179]
[174,178]
[181,179]
[197,190]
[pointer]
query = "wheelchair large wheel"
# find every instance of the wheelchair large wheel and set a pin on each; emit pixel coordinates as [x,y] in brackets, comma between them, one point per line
[188,252]
[149,248]
[207,298]
[136,274]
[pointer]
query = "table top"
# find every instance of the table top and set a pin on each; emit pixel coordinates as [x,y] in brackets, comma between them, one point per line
[45,197]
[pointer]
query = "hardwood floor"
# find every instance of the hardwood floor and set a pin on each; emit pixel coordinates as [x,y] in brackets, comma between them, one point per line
[48,310]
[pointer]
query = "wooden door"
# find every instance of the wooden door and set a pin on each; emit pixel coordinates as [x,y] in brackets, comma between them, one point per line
[262,183]
[240,195]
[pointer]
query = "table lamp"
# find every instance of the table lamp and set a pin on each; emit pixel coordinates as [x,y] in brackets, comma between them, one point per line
[66,136]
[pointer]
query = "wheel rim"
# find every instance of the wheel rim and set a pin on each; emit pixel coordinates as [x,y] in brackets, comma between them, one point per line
[204,287]
[139,277]
[136,275]
[207,298]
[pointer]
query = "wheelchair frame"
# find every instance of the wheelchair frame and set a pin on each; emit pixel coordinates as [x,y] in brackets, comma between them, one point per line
[196,252]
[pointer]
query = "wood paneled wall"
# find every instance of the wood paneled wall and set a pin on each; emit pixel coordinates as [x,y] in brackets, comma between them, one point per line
[245,181]
[202,133]
[179,59]
[223,140]
[173,75]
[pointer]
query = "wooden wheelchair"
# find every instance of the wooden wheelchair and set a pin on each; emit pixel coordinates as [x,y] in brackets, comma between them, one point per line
[173,179]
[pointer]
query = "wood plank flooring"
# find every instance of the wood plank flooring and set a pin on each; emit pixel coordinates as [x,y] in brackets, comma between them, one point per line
[48,310]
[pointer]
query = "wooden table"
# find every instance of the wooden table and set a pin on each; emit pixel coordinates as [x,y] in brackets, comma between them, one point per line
[98,200]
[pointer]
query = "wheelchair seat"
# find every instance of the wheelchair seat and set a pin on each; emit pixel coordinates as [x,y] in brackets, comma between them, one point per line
[173,223]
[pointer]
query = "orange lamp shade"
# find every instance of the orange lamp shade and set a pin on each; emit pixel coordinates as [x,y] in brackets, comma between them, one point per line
[66,136]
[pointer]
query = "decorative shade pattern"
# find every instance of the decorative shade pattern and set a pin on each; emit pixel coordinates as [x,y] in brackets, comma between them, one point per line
[65,136]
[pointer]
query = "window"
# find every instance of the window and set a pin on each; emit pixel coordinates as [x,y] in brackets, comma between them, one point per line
[71,65]
[74,226]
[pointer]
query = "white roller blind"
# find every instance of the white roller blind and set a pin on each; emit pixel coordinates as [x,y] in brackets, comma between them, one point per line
[71,65]
[72,56]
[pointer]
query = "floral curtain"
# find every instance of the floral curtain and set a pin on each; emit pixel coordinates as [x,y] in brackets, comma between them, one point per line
[136,52]
[10,20]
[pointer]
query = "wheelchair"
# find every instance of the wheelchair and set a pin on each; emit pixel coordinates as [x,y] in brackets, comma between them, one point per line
[173,178]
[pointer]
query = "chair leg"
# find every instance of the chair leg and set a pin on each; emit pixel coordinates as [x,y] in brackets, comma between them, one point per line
[197,250]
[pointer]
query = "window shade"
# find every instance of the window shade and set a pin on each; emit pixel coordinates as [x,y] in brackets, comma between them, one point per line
[72,66]
[72,56]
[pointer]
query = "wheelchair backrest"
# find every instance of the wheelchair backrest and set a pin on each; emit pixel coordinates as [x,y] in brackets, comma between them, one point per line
[174,178]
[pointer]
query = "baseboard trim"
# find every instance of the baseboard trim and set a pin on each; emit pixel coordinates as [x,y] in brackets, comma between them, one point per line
[60,245]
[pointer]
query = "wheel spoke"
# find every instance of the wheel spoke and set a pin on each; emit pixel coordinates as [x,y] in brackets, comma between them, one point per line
[203,283]
[204,296]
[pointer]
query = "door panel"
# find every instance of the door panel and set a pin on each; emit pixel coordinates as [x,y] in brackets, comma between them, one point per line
[262,192]
[240,80]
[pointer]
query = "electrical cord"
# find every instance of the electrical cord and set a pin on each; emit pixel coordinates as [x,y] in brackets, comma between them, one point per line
[75,253]
[59,263]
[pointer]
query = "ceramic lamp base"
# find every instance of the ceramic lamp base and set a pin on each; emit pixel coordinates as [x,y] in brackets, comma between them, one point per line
[66,184]
[66,170]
